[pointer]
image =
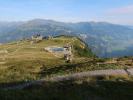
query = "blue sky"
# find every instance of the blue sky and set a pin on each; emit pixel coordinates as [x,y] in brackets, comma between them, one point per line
[114,11]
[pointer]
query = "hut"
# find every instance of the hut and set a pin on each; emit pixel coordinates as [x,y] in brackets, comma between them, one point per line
[36,38]
[68,53]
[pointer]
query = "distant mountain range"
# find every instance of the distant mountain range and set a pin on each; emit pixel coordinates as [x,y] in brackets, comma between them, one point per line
[105,39]
[130,27]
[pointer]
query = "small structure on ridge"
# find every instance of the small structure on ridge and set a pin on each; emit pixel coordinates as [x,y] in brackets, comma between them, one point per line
[68,53]
[36,38]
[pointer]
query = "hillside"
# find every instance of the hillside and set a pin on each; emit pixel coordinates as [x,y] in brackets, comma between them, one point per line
[23,61]
[105,39]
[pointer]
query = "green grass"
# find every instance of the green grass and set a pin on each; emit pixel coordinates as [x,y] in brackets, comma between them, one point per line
[25,62]
[81,89]
[30,62]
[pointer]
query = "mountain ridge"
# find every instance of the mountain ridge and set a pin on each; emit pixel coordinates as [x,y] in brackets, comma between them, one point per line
[104,38]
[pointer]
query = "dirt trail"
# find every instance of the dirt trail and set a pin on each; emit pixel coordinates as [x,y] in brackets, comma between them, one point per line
[1,63]
[73,76]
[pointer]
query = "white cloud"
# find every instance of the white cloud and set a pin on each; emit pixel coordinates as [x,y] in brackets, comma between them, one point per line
[120,15]
[122,10]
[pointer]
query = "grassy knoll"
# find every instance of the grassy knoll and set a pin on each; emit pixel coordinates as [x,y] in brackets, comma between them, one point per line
[24,61]
[20,61]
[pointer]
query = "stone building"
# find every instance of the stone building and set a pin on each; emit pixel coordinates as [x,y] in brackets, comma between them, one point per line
[36,38]
[68,53]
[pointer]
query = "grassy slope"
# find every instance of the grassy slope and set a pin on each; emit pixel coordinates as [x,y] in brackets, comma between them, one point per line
[29,62]
[25,61]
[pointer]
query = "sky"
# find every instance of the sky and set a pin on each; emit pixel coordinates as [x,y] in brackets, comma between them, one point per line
[114,11]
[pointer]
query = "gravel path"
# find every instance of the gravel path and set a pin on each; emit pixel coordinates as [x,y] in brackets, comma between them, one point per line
[74,76]
[90,73]
[1,63]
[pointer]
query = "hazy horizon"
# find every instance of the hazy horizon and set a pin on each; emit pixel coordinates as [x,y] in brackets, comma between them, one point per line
[112,11]
[63,21]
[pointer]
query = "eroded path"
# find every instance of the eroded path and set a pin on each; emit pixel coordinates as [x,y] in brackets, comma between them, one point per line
[109,72]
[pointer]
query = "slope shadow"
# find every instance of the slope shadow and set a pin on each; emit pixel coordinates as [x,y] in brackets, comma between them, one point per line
[72,90]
